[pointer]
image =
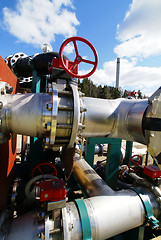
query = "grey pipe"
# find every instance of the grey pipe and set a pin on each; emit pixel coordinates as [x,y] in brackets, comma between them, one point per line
[91,183]
[119,118]
[29,114]
[109,214]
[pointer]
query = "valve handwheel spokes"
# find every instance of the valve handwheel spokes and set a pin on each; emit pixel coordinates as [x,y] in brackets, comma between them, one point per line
[137,164]
[78,59]
[44,168]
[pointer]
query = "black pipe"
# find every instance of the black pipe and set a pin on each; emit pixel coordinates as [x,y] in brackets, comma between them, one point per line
[23,67]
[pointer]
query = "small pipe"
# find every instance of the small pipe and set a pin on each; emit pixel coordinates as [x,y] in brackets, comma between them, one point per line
[91,183]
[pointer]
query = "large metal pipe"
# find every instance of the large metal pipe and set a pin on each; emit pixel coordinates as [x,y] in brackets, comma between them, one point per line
[108,216]
[93,185]
[109,212]
[119,118]
[61,115]
[48,115]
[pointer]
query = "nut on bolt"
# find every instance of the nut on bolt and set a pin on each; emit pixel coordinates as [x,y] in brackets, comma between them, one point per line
[10,89]
[2,91]
[48,126]
[50,91]
[46,142]
[81,127]
[49,106]
[83,109]
[70,226]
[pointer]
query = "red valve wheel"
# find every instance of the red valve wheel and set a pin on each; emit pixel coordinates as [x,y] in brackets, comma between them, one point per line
[78,58]
[41,168]
[136,164]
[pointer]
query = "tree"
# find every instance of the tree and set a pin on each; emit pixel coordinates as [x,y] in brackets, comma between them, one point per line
[140,94]
[88,88]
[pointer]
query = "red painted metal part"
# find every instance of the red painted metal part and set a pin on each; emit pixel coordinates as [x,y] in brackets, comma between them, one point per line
[41,169]
[152,171]
[8,149]
[56,63]
[52,190]
[78,58]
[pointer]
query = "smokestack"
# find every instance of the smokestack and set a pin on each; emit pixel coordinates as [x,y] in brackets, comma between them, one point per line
[117,72]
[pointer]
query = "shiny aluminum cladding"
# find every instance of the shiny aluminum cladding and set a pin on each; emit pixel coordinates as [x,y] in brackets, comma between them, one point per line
[4,89]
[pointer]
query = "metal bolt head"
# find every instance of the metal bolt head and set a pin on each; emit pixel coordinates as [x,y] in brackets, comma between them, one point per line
[49,107]
[70,226]
[11,89]
[81,127]
[48,126]
[50,91]
[2,91]
[7,86]
[83,109]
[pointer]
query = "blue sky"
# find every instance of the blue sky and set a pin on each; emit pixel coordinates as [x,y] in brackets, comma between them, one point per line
[129,29]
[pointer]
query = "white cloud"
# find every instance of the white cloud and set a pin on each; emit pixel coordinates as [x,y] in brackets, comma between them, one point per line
[140,37]
[132,77]
[69,48]
[39,21]
[139,33]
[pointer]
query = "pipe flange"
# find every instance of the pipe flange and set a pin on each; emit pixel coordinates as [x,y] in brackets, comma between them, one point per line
[51,123]
[76,117]
[54,114]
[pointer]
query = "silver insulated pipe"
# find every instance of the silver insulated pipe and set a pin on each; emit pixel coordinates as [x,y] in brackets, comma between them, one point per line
[62,114]
[109,212]
[119,118]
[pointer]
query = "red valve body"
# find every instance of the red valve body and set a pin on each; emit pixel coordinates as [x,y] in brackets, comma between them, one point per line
[52,190]
[56,63]
[152,171]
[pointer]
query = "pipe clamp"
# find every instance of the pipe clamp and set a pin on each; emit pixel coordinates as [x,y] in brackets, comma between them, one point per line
[154,223]
[85,222]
